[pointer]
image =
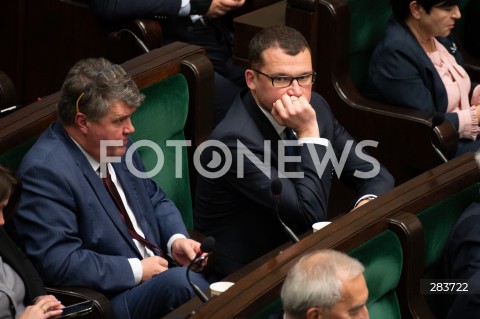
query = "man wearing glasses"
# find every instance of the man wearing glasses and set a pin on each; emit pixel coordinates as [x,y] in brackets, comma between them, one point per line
[234,200]
[89,221]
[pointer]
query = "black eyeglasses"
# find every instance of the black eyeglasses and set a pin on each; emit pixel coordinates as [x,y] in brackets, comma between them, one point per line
[283,81]
[108,73]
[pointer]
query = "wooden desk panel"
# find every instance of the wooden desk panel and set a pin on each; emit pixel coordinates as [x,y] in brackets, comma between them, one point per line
[247,25]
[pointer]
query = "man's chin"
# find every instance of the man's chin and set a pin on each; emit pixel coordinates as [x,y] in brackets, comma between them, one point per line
[118,151]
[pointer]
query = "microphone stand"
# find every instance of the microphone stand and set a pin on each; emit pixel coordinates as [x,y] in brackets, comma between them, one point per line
[195,288]
[287,229]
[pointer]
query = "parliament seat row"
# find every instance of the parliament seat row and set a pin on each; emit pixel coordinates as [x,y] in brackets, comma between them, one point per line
[400,237]
[177,81]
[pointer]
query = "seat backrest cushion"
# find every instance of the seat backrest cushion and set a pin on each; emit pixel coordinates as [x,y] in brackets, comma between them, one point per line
[162,118]
[12,158]
[368,19]
[438,221]
[383,259]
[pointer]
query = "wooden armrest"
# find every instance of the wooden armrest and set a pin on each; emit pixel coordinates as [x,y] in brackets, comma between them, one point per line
[150,31]
[73,295]
[446,139]
[444,136]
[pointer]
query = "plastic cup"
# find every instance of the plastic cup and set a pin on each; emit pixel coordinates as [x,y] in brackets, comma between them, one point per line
[218,287]
[319,225]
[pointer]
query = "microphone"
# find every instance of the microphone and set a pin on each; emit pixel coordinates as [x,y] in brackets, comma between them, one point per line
[117,36]
[437,119]
[276,188]
[206,247]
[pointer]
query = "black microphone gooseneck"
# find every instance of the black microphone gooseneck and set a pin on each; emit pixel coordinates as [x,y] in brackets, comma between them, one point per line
[206,247]
[117,35]
[276,188]
[437,119]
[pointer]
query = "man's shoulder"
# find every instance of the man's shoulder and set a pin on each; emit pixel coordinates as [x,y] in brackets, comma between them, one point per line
[467,226]
[48,148]
[236,121]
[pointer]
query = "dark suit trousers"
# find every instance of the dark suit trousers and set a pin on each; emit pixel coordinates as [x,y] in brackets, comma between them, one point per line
[157,296]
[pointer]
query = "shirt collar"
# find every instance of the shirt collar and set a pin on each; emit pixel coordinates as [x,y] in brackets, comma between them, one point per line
[94,163]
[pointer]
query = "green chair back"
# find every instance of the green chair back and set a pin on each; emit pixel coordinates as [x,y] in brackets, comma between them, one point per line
[368,19]
[438,221]
[12,158]
[162,118]
[383,259]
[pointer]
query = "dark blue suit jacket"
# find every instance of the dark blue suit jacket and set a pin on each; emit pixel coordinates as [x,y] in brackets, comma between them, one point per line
[463,262]
[70,226]
[401,73]
[239,212]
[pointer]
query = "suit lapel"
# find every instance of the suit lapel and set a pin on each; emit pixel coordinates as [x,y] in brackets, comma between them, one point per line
[98,189]
[261,121]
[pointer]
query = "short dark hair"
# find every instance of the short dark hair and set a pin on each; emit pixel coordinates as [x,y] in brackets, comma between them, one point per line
[288,39]
[401,8]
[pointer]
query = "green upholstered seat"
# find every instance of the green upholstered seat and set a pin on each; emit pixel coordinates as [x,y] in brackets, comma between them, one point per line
[271,308]
[383,258]
[12,158]
[437,222]
[162,118]
[368,19]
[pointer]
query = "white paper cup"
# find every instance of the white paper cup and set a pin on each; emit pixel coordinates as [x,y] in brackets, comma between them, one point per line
[319,225]
[220,286]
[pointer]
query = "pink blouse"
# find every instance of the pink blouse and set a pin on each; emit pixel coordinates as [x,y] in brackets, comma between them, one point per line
[457,83]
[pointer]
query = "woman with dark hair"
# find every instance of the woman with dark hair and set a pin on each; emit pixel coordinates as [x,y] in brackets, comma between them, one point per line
[22,294]
[417,65]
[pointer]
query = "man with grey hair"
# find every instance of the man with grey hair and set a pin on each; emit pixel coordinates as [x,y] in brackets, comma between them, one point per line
[85,219]
[325,284]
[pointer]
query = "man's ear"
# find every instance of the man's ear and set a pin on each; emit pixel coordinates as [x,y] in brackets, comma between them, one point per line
[249,78]
[313,313]
[81,123]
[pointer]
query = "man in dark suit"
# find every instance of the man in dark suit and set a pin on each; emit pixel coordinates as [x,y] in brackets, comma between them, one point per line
[206,23]
[86,217]
[463,264]
[234,201]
